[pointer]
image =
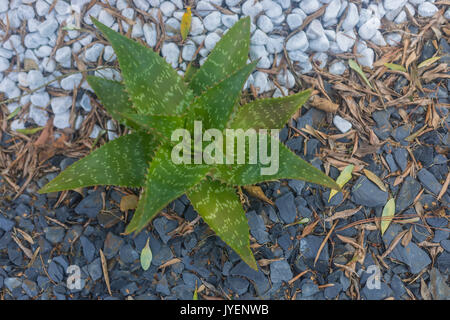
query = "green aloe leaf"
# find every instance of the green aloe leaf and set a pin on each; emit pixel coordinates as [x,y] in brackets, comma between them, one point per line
[290,166]
[219,205]
[215,106]
[269,113]
[113,96]
[121,162]
[165,182]
[229,55]
[153,85]
[165,125]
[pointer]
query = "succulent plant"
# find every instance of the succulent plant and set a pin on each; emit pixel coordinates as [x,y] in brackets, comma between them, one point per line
[154,100]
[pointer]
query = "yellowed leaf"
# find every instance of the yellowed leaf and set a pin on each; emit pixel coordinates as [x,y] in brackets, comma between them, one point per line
[343,178]
[375,179]
[387,215]
[185,25]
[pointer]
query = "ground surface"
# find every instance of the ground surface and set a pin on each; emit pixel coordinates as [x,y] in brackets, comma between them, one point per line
[397,129]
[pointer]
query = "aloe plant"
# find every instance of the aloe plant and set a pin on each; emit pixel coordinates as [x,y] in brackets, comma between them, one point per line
[153,100]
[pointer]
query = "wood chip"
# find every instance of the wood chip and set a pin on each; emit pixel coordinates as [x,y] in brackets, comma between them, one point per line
[105,271]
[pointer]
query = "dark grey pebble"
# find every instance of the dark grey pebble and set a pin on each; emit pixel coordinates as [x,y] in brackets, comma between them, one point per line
[91,205]
[280,271]
[366,193]
[409,190]
[286,207]
[54,234]
[429,181]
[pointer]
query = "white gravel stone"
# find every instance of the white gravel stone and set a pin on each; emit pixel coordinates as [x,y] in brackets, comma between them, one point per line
[6,53]
[105,18]
[264,23]
[427,9]
[48,27]
[401,17]
[61,104]
[447,14]
[43,51]
[48,65]
[257,52]
[366,59]
[62,7]
[228,20]
[393,4]
[352,17]
[197,27]
[294,20]
[4,64]
[369,28]
[22,79]
[232,3]
[188,52]
[39,116]
[251,8]
[85,103]
[25,12]
[286,79]
[40,99]
[71,82]
[78,122]
[137,31]
[92,53]
[394,39]
[167,8]
[4,6]
[61,120]
[275,44]
[173,25]
[320,58]
[34,40]
[378,39]
[331,12]
[264,63]
[141,4]
[8,87]
[309,6]
[271,9]
[337,68]
[108,54]
[342,124]
[298,41]
[211,40]
[95,132]
[315,30]
[260,81]
[17,125]
[63,56]
[259,38]
[35,79]
[111,127]
[150,34]
[170,52]
[212,21]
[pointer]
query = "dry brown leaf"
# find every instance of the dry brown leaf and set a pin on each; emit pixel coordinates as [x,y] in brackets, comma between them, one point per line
[257,192]
[324,104]
[128,202]
[407,238]
[105,271]
[424,291]
[343,214]
[444,187]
